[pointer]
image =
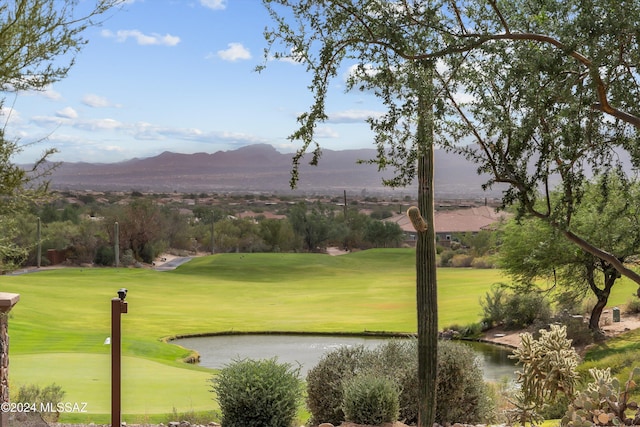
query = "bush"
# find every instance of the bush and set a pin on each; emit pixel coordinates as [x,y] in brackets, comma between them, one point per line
[525,309]
[105,255]
[258,393]
[48,396]
[324,383]
[370,399]
[515,310]
[483,262]
[462,393]
[461,260]
[633,306]
[463,397]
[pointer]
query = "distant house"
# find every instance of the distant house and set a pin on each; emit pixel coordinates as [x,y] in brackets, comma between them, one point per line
[450,222]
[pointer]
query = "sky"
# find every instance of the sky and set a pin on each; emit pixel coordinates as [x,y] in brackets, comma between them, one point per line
[179,76]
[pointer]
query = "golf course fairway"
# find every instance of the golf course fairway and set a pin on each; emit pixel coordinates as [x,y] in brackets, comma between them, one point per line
[58,328]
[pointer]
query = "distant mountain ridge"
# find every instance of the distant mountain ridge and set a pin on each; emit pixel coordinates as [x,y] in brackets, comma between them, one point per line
[259,168]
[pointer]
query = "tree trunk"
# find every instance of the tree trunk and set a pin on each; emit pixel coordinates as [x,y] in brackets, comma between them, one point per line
[426,289]
[610,277]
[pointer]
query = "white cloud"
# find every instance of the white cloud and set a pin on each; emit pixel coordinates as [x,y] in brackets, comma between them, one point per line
[67,113]
[235,52]
[141,38]
[352,116]
[9,115]
[214,4]
[96,101]
[325,132]
[100,124]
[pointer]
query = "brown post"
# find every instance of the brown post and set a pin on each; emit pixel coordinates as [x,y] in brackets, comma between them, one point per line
[7,301]
[118,306]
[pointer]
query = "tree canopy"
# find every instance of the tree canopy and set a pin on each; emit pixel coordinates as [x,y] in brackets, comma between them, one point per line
[39,39]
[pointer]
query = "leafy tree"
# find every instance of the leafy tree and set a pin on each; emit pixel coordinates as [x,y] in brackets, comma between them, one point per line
[608,216]
[40,39]
[384,234]
[277,234]
[313,225]
[141,226]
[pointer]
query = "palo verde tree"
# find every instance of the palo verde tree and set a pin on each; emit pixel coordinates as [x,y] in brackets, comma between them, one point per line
[536,132]
[568,63]
[608,216]
[39,39]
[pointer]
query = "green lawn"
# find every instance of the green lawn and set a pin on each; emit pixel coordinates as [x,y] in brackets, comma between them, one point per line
[59,326]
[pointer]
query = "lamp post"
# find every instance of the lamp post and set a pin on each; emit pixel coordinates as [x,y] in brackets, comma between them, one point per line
[118,307]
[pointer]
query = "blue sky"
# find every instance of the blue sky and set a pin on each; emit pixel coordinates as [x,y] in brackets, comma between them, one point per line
[178,75]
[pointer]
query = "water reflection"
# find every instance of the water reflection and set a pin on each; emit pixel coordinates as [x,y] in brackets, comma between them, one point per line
[306,350]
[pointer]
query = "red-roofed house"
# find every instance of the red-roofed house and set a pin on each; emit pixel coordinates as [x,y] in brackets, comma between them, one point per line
[450,222]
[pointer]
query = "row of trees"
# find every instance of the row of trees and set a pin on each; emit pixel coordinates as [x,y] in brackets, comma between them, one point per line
[146,229]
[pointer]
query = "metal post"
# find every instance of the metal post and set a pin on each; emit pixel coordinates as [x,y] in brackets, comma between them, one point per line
[118,306]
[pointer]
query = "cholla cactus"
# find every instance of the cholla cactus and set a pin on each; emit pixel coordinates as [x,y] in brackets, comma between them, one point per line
[548,368]
[604,402]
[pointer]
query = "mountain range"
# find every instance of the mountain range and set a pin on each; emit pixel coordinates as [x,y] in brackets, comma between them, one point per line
[261,168]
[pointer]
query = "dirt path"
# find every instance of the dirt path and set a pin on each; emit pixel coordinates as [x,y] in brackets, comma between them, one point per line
[628,322]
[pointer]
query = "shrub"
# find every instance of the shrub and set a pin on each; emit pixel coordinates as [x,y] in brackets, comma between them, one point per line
[463,397]
[370,399]
[105,256]
[48,397]
[515,310]
[324,383]
[461,260]
[397,359]
[483,262]
[462,394]
[633,306]
[493,306]
[258,393]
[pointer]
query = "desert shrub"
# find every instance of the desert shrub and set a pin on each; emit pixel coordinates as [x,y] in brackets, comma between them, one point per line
[483,262]
[461,260]
[324,383]
[493,306]
[463,397]
[370,399]
[258,393]
[42,397]
[460,381]
[193,417]
[515,310]
[105,256]
[633,306]
[127,258]
[523,309]
[397,359]
[447,255]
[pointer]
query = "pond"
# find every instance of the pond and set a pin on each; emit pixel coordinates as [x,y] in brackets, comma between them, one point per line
[306,350]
